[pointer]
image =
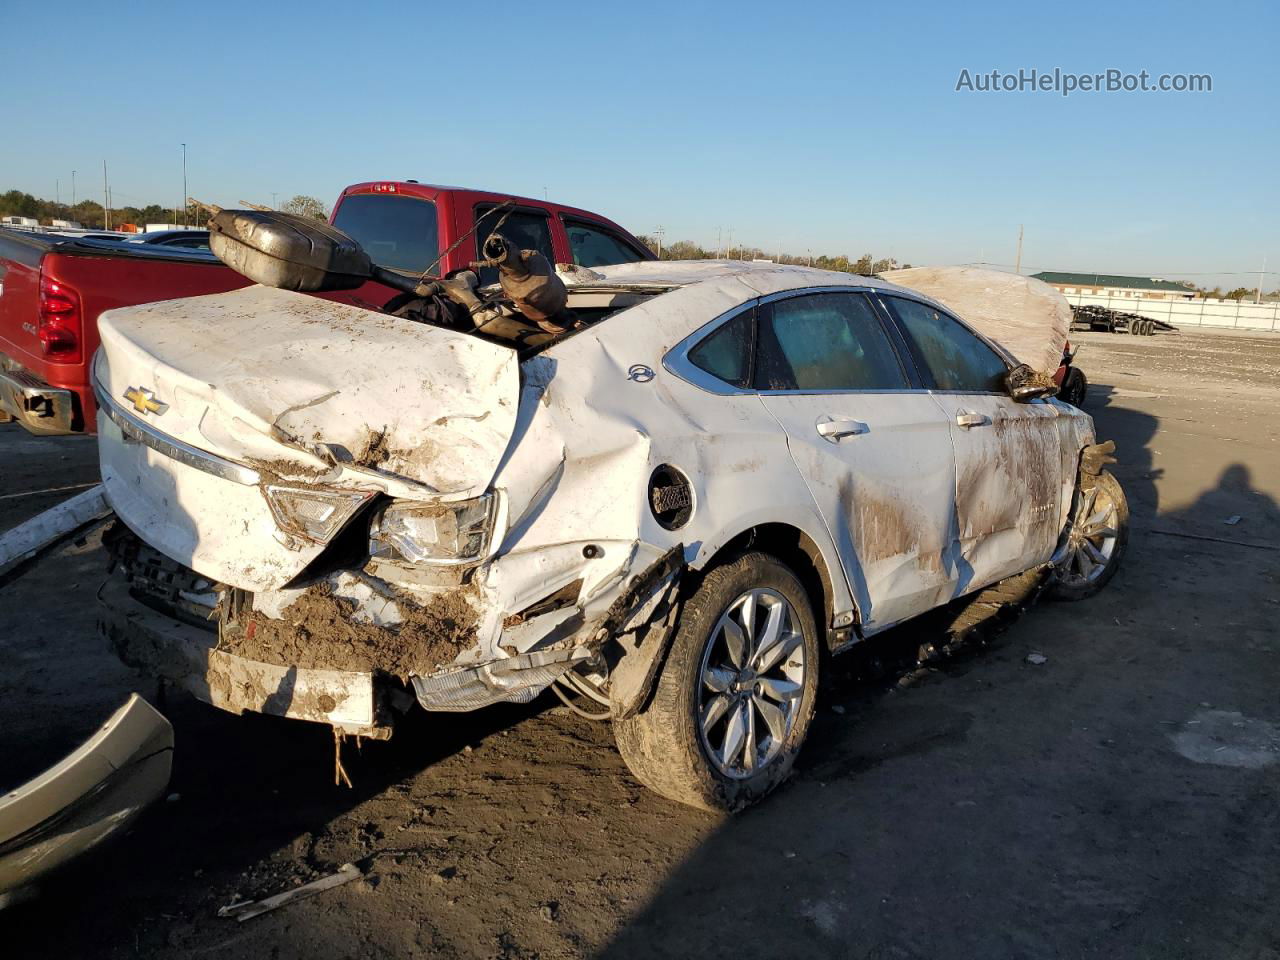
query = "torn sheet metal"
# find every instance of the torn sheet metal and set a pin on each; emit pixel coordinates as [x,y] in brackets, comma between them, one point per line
[91,794]
[1027,317]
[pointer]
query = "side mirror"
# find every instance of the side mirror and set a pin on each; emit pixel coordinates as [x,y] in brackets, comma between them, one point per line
[1024,384]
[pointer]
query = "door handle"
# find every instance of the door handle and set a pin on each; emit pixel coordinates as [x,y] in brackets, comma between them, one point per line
[837,430]
[970,420]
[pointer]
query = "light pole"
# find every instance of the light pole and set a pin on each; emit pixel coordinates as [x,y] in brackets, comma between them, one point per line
[73,189]
[184,185]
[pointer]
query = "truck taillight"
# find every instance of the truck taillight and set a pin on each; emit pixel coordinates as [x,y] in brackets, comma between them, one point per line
[60,321]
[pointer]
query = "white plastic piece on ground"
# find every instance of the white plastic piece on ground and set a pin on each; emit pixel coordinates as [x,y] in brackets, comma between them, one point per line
[1027,317]
[44,529]
[246,911]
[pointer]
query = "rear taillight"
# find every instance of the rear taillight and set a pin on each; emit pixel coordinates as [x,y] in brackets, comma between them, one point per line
[60,322]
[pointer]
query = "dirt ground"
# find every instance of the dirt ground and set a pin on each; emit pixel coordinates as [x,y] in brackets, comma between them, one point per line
[1116,800]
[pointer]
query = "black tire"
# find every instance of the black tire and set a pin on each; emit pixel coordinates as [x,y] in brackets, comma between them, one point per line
[1148,328]
[1070,582]
[663,744]
[1074,388]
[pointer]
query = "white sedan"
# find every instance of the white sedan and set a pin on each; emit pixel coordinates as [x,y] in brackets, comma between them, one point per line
[665,513]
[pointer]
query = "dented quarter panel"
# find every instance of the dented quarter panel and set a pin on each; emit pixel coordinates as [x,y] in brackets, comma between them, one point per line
[594,436]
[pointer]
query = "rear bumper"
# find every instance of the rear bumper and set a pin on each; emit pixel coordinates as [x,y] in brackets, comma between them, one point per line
[40,408]
[188,657]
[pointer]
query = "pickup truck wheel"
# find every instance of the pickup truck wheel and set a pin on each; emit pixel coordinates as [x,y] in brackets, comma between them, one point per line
[1074,388]
[1096,543]
[735,698]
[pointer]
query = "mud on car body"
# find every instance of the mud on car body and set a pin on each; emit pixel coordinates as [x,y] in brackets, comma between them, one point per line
[668,505]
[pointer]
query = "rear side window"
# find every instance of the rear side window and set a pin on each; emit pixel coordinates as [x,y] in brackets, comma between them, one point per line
[953,356]
[726,353]
[397,231]
[825,341]
[528,231]
[595,247]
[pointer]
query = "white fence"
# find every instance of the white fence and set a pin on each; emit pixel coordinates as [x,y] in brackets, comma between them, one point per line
[1232,314]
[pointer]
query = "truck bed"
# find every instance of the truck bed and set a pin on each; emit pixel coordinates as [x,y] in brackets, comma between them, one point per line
[50,392]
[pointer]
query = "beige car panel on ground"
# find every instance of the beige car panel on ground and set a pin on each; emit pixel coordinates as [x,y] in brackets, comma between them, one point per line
[91,794]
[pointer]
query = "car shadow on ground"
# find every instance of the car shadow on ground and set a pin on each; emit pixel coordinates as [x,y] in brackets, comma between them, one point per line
[1013,810]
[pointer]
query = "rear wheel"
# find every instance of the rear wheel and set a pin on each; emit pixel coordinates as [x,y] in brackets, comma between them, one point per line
[1097,540]
[735,698]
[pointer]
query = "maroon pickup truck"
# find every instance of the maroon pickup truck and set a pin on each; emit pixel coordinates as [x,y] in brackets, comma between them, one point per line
[53,288]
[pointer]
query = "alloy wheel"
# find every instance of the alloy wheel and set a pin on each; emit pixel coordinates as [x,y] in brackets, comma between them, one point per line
[751,682]
[1095,530]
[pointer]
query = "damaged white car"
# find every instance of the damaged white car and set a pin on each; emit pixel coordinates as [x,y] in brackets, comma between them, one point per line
[663,489]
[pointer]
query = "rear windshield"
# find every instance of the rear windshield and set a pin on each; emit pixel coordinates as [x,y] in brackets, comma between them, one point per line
[398,232]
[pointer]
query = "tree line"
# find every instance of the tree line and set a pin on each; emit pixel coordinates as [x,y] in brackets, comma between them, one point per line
[866,265]
[89,213]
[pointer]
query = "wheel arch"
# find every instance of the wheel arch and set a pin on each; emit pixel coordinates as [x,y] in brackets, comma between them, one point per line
[802,554]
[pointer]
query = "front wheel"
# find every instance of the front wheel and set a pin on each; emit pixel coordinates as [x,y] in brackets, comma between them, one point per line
[735,698]
[1097,539]
[1074,387]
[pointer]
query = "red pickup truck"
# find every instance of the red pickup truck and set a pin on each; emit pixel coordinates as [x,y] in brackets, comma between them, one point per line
[53,288]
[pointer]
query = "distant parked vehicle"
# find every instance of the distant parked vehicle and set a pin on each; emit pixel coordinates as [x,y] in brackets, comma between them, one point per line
[190,239]
[1094,317]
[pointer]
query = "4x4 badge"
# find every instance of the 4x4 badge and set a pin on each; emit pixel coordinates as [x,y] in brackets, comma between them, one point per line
[144,401]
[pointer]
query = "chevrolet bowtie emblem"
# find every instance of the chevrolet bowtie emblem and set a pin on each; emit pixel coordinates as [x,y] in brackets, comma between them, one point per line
[144,401]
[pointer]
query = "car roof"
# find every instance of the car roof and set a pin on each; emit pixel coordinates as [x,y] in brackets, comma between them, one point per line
[763,278]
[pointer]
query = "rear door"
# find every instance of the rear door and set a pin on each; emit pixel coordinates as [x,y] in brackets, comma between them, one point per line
[1008,455]
[872,445]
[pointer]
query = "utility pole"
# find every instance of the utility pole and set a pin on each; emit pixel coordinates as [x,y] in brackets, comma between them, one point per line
[73,188]
[106,200]
[658,233]
[809,251]
[719,237]
[1258,297]
[185,208]
[728,250]
[57,192]
[1017,266]
[274,205]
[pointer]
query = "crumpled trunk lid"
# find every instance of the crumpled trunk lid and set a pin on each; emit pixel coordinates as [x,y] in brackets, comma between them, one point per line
[297,387]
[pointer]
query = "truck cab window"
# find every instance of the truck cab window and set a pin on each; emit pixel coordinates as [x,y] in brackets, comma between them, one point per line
[398,232]
[593,246]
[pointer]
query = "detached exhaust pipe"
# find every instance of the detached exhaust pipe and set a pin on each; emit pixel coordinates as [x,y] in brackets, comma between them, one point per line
[528,280]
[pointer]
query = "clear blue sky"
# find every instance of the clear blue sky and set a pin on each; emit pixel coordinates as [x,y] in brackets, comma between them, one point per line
[801,125]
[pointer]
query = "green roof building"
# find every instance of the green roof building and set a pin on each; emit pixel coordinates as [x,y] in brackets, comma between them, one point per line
[1113,285]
